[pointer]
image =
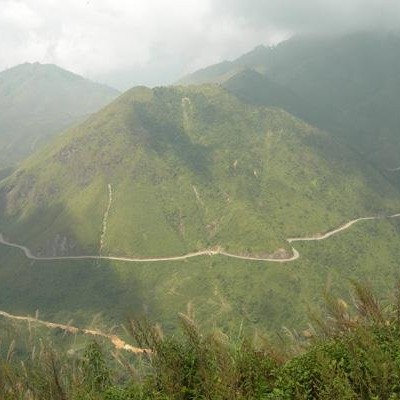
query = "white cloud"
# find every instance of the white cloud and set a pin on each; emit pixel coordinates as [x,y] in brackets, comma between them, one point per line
[314,15]
[152,41]
[96,37]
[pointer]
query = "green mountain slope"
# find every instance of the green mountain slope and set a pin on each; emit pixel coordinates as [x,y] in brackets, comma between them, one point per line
[218,73]
[187,169]
[37,101]
[255,88]
[214,73]
[221,291]
[347,85]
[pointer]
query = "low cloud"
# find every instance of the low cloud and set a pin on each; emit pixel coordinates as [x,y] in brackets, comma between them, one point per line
[314,16]
[156,41]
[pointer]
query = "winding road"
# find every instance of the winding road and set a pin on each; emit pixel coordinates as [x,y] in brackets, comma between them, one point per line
[117,342]
[209,252]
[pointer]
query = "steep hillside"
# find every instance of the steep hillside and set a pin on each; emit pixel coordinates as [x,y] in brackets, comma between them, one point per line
[344,84]
[215,73]
[255,88]
[257,59]
[169,171]
[37,101]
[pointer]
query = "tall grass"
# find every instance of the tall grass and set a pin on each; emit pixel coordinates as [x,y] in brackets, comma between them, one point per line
[351,352]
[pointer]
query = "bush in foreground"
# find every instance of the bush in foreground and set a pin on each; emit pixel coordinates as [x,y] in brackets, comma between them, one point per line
[351,353]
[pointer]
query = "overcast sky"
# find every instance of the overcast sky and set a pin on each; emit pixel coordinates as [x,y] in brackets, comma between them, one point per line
[130,42]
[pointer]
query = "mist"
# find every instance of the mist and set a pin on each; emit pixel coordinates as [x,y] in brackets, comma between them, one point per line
[155,42]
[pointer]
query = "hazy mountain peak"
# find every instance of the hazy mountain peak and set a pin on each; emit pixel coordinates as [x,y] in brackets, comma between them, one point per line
[47,72]
[39,100]
[258,51]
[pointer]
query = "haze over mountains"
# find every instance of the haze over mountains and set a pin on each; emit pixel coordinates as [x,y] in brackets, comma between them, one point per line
[345,84]
[288,141]
[38,101]
[231,234]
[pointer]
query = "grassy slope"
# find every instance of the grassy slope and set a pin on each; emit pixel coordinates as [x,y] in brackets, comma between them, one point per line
[221,291]
[345,84]
[190,168]
[350,85]
[350,352]
[153,147]
[256,59]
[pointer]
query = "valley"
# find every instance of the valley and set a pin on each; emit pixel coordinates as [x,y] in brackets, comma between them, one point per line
[199,200]
[192,194]
[222,291]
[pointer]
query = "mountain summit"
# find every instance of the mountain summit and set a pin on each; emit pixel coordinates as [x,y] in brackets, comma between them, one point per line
[170,171]
[40,100]
[348,85]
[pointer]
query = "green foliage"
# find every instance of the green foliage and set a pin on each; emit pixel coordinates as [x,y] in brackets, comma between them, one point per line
[192,168]
[96,373]
[354,357]
[202,366]
[223,291]
[350,353]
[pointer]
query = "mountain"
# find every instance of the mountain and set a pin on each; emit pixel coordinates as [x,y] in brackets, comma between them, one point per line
[38,101]
[344,84]
[219,73]
[213,74]
[284,143]
[255,88]
[175,170]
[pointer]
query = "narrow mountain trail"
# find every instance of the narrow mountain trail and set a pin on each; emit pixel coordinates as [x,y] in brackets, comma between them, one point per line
[209,252]
[117,342]
[198,198]
[105,219]
[186,105]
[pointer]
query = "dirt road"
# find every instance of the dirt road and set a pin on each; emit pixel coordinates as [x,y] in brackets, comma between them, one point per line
[209,252]
[115,340]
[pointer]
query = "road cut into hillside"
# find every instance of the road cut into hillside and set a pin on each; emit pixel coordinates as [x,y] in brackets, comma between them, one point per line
[218,251]
[117,342]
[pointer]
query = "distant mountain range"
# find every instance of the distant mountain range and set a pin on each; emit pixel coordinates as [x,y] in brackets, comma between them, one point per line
[38,101]
[348,85]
